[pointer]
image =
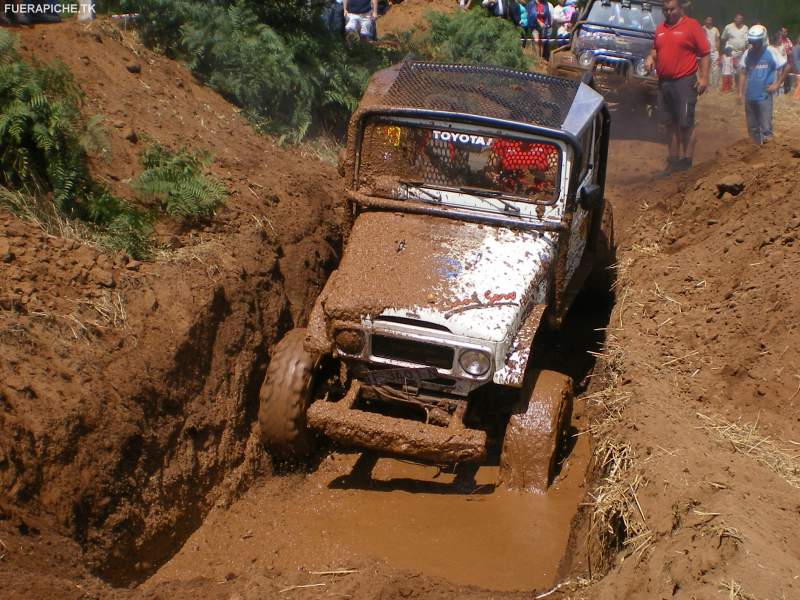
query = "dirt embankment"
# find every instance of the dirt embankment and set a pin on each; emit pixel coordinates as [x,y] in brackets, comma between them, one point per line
[407,14]
[128,390]
[704,343]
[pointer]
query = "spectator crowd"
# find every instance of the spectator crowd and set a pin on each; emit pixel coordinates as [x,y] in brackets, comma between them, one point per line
[688,58]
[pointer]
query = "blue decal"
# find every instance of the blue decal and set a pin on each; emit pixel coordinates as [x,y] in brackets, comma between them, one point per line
[449,267]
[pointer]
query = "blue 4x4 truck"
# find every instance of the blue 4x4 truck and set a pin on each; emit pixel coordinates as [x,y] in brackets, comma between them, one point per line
[611,41]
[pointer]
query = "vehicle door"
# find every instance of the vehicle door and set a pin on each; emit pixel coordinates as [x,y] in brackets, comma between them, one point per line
[589,181]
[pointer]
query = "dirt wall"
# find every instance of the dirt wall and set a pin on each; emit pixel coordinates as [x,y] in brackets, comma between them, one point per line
[129,390]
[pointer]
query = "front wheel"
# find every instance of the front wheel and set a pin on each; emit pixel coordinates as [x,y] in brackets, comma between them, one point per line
[285,396]
[535,431]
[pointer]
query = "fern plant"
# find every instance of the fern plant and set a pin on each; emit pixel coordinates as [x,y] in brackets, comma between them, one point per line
[44,141]
[174,181]
[468,37]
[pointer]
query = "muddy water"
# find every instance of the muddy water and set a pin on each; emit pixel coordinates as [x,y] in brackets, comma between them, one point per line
[354,510]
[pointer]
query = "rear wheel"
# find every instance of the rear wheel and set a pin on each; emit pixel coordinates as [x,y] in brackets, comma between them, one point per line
[285,396]
[535,431]
[604,272]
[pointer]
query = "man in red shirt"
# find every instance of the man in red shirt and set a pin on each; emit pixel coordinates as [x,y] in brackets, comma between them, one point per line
[680,43]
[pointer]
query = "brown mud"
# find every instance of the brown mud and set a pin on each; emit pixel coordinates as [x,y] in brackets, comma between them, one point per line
[126,436]
[357,509]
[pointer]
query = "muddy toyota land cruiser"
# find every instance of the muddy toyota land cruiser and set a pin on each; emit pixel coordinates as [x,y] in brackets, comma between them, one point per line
[477,195]
[611,40]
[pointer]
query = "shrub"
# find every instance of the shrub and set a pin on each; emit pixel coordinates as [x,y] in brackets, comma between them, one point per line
[286,72]
[467,37]
[175,181]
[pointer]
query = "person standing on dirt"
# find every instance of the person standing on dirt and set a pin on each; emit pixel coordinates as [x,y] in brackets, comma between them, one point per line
[734,36]
[360,16]
[333,17]
[788,48]
[680,42]
[495,8]
[796,61]
[776,45]
[542,14]
[763,70]
[521,18]
[728,71]
[712,34]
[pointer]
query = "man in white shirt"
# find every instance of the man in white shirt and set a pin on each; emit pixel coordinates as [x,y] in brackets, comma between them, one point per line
[734,36]
[359,17]
[712,33]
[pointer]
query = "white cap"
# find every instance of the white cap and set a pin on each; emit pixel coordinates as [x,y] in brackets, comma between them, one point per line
[757,33]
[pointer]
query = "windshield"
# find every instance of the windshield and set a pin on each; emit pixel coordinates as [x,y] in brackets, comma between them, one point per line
[401,160]
[636,17]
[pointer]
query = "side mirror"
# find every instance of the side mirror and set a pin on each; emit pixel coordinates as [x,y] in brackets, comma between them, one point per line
[589,196]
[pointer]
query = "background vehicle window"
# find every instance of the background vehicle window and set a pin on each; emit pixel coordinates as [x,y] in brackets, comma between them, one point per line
[635,17]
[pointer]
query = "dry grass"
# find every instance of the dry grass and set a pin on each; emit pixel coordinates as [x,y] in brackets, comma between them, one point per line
[46,217]
[610,401]
[733,590]
[90,316]
[616,512]
[616,516]
[745,438]
[105,311]
[324,148]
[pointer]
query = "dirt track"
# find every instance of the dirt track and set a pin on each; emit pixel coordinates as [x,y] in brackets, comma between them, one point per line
[148,427]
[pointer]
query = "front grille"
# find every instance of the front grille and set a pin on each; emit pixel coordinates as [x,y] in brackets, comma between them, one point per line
[412,351]
[414,322]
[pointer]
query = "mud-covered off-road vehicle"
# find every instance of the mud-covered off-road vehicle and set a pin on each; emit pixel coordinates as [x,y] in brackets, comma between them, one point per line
[477,196]
[611,41]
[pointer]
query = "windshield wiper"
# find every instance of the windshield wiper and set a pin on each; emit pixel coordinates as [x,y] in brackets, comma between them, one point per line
[419,189]
[490,194]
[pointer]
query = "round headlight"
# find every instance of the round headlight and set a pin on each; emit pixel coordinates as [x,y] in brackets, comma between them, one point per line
[349,341]
[641,69]
[586,58]
[475,362]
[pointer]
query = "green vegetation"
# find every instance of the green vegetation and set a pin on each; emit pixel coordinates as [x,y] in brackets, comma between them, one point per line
[469,37]
[275,60]
[175,182]
[43,149]
[45,144]
[288,78]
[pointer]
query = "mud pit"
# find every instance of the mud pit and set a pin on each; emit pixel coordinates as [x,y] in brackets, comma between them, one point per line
[357,509]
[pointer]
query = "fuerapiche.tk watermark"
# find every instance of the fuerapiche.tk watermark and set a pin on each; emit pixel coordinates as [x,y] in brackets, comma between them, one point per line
[48,8]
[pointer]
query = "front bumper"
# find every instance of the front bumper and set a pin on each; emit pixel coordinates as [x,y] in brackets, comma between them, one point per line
[351,427]
[615,87]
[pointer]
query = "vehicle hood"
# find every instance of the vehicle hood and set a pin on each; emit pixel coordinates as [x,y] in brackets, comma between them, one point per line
[474,280]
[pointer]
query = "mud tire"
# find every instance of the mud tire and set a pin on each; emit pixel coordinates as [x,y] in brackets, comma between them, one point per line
[603,277]
[284,399]
[535,432]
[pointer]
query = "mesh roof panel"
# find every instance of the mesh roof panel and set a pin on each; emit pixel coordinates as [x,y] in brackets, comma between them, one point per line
[484,91]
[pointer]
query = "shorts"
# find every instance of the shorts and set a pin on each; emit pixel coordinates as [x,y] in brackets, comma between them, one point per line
[364,25]
[678,99]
